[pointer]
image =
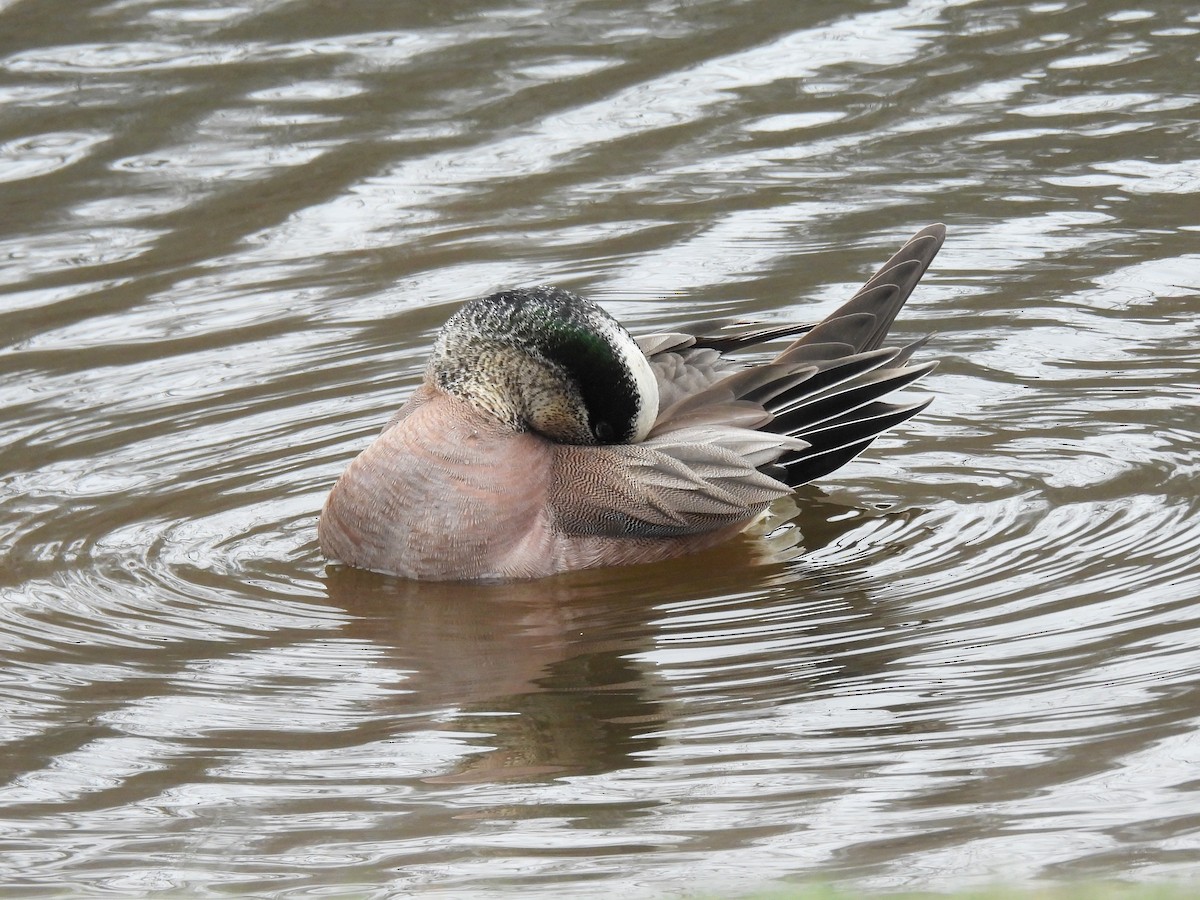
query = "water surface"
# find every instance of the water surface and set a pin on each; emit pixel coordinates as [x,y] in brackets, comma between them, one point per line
[230,233]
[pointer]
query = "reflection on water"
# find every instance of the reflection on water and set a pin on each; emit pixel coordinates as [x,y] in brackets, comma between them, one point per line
[560,674]
[231,232]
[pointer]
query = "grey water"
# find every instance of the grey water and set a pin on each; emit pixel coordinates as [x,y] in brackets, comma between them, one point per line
[229,231]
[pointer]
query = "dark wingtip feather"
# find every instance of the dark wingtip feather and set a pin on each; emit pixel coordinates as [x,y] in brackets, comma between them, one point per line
[840,442]
[841,420]
[740,335]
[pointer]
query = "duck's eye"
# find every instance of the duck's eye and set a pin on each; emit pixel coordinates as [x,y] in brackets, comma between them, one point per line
[603,432]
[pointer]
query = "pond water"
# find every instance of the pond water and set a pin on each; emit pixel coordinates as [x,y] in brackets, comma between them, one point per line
[230,231]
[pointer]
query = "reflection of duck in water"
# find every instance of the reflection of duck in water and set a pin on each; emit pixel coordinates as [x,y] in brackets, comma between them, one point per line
[562,692]
[546,439]
[588,672]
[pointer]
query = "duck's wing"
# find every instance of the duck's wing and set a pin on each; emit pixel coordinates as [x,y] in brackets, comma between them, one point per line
[722,335]
[687,362]
[685,370]
[691,481]
[840,409]
[729,438]
[708,463]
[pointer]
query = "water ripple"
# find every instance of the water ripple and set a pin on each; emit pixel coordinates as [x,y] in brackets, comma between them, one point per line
[235,230]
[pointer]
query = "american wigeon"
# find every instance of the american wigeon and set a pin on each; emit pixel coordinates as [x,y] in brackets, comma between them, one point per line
[545,438]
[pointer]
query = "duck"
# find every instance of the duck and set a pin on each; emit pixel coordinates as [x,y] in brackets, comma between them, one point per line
[545,438]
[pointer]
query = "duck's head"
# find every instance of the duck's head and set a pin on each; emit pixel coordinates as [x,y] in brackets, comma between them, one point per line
[546,360]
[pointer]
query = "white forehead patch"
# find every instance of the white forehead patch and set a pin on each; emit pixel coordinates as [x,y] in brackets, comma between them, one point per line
[638,366]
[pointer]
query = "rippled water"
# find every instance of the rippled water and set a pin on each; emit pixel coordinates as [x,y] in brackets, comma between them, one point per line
[229,234]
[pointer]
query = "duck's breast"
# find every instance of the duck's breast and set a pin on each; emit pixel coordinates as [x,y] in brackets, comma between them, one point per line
[445,492]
